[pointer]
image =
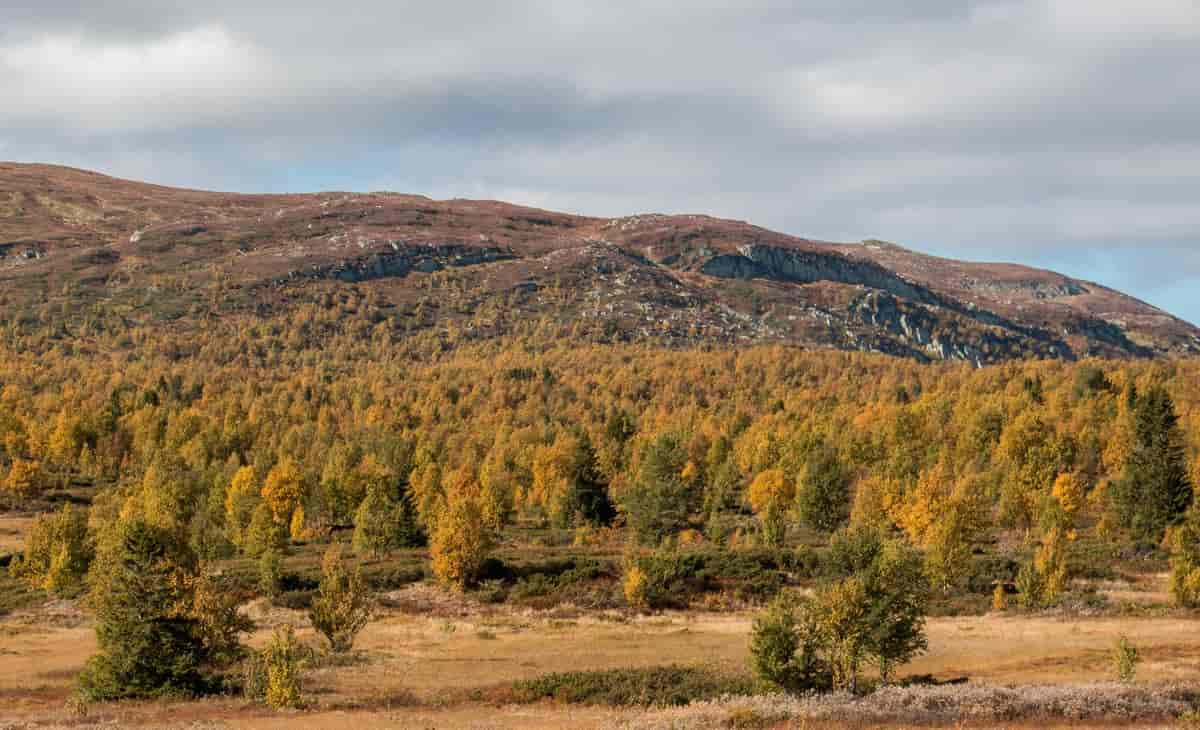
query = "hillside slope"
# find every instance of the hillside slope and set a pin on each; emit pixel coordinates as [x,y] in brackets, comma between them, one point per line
[89,243]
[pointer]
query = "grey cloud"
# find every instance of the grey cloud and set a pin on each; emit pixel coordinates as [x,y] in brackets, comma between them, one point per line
[1054,132]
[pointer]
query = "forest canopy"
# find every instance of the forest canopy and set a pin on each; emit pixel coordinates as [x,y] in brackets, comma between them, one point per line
[261,432]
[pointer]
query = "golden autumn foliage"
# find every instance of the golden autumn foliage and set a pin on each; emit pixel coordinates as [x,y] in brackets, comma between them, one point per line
[1185,562]
[241,497]
[1043,579]
[1068,490]
[24,479]
[462,537]
[770,487]
[282,491]
[195,431]
[874,499]
[554,468]
[770,495]
[948,542]
[923,506]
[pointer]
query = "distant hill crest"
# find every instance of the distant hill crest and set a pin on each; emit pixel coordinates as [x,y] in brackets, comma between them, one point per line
[81,236]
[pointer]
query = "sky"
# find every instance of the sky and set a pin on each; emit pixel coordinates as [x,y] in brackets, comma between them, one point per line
[1056,133]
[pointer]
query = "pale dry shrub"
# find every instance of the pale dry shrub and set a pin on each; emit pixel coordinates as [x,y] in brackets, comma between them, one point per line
[1103,701]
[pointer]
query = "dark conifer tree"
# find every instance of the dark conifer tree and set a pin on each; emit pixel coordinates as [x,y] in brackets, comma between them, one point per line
[1154,490]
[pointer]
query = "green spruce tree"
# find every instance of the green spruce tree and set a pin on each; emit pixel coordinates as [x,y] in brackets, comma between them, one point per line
[149,644]
[1154,491]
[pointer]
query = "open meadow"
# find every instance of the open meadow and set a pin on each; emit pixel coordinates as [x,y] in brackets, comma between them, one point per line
[432,658]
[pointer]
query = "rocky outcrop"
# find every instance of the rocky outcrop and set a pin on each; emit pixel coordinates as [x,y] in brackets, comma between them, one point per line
[1035,288]
[756,261]
[944,335]
[1107,333]
[401,262]
[28,250]
[908,311]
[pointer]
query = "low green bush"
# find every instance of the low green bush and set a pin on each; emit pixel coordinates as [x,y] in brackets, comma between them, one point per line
[643,686]
[538,584]
[984,572]
[586,582]
[390,577]
[671,579]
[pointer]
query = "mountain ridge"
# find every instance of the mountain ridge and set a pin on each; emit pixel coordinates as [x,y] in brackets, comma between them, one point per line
[82,238]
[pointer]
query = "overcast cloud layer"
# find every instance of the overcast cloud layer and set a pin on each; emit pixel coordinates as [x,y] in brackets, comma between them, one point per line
[1060,133]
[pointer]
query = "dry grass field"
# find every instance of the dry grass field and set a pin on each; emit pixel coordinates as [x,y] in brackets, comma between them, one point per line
[431,659]
[12,531]
[440,670]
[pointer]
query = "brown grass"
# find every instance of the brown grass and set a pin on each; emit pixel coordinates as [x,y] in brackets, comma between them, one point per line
[428,671]
[12,532]
[69,212]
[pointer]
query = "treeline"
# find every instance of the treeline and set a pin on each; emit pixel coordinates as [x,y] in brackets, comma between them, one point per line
[664,441]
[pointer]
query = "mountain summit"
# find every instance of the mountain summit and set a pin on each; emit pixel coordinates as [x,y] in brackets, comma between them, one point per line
[87,240]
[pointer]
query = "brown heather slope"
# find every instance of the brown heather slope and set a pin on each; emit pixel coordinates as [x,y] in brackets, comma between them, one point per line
[87,242]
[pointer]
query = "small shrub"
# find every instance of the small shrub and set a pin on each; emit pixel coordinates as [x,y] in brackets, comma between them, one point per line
[282,661]
[784,650]
[77,704]
[773,644]
[984,572]
[538,584]
[871,609]
[491,591]
[1125,659]
[746,718]
[1185,562]
[341,607]
[670,579]
[219,625]
[660,579]
[254,677]
[633,586]
[58,551]
[295,600]
[1041,582]
[269,576]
